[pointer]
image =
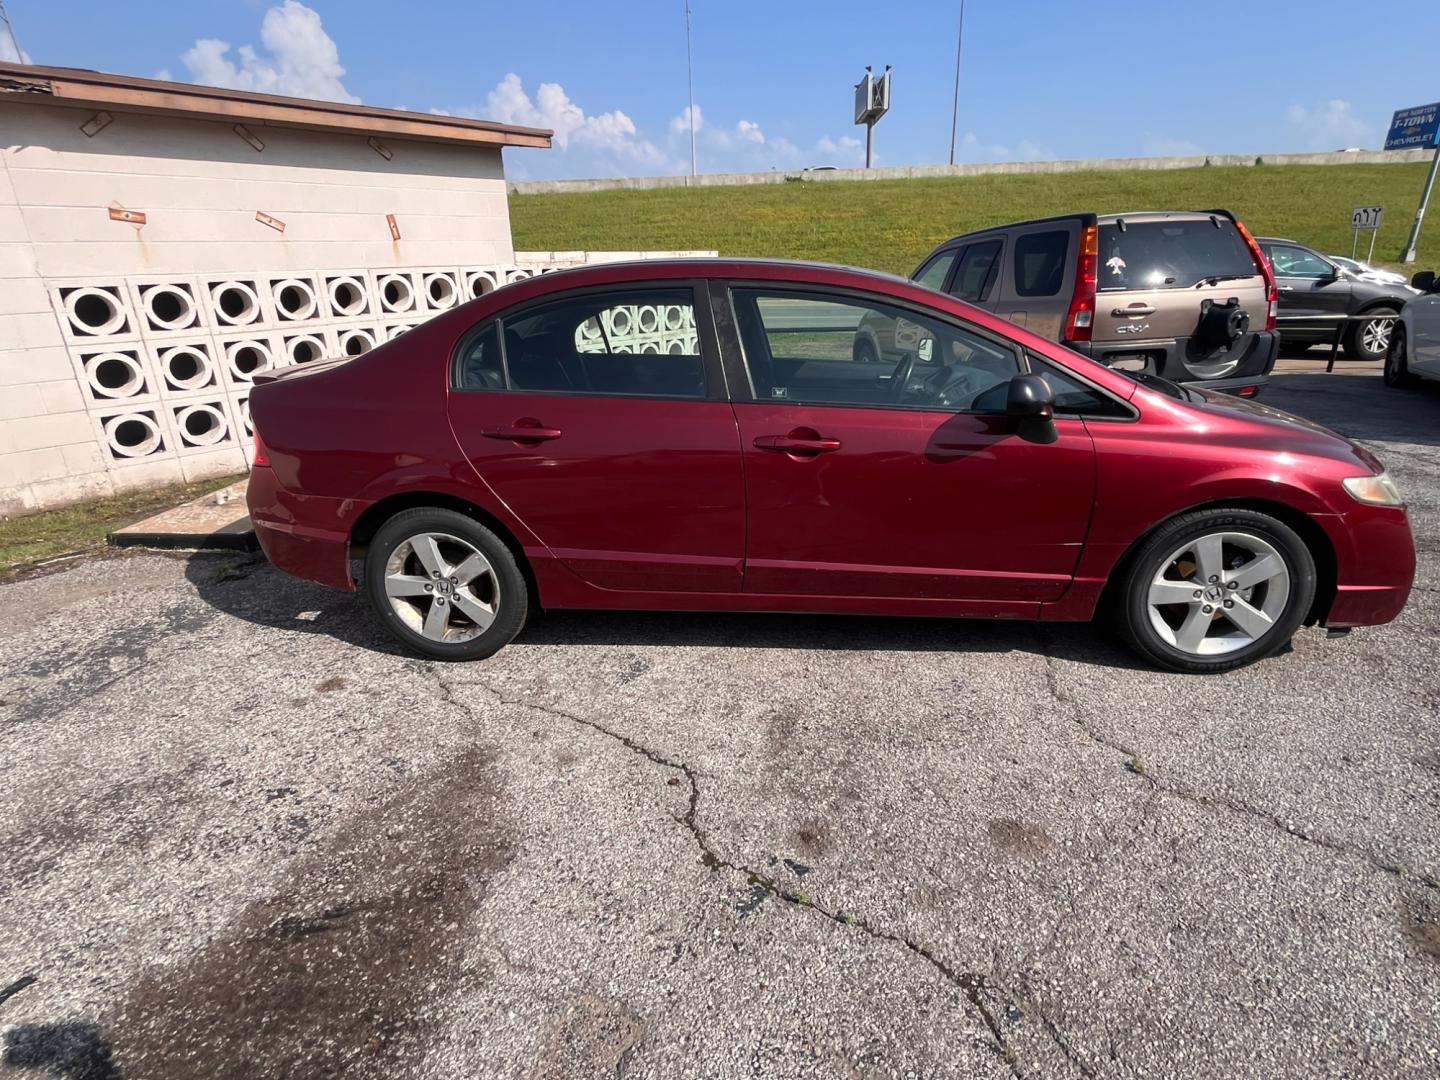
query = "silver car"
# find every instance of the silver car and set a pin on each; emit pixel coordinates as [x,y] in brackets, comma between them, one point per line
[1414,351]
[1363,271]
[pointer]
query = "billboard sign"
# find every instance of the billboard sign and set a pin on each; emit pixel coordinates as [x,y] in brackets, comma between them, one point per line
[1412,129]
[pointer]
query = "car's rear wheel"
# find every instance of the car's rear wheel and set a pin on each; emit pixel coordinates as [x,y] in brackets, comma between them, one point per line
[1216,589]
[1397,368]
[445,585]
[1370,340]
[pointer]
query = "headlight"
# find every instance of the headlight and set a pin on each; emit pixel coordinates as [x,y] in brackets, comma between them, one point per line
[1380,490]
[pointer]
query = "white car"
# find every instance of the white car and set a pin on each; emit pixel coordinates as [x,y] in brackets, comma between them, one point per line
[1414,351]
[1365,272]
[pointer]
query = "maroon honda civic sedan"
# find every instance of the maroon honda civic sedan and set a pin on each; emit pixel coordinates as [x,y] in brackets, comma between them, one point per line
[706,435]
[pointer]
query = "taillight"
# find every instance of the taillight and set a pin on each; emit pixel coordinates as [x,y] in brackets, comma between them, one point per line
[1272,292]
[1080,319]
[262,456]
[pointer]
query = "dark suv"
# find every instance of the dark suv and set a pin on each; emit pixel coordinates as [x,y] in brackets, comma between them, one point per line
[1316,295]
[1186,295]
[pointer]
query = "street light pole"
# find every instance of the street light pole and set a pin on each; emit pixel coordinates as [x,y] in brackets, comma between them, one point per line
[690,74]
[955,110]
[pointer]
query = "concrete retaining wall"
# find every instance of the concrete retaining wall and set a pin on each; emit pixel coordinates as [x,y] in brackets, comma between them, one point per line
[1002,168]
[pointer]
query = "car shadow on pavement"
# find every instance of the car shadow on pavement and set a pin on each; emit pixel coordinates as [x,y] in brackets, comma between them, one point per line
[1360,407]
[249,588]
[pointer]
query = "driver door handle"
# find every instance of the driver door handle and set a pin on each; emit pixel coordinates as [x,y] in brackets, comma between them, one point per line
[790,444]
[521,432]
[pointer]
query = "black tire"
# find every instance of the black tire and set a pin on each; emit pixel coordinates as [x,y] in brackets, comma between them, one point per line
[1132,608]
[865,351]
[1355,347]
[507,589]
[1397,368]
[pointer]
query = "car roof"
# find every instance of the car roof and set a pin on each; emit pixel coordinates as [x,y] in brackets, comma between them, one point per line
[711,266]
[1099,219]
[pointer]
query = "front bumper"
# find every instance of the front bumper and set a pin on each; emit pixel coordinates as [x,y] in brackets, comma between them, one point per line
[1374,565]
[1168,358]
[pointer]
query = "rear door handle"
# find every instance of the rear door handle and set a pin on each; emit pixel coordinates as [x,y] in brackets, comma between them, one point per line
[790,444]
[1285,288]
[1137,310]
[522,432]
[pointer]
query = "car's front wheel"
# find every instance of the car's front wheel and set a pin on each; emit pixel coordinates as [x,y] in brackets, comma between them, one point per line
[1397,368]
[1370,339]
[1216,589]
[445,585]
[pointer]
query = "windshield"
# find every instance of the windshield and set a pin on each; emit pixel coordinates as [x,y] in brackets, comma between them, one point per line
[1171,254]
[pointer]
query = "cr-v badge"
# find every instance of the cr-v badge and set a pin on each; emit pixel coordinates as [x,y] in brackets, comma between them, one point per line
[1132,328]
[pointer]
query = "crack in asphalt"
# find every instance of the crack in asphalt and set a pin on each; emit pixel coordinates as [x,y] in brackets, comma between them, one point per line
[1135,764]
[974,985]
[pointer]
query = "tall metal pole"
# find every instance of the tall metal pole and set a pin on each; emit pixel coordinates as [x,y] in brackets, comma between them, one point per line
[1409,256]
[869,140]
[690,73]
[955,111]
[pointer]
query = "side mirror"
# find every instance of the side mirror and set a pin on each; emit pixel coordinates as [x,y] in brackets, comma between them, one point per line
[1424,281]
[1337,272]
[1030,405]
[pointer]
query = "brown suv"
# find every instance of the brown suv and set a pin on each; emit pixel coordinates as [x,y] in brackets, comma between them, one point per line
[1186,295]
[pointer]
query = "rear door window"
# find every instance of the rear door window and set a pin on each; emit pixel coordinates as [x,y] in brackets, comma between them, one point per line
[933,274]
[1171,254]
[977,270]
[1040,262]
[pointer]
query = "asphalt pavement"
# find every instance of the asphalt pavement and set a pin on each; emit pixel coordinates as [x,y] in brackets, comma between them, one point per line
[242,834]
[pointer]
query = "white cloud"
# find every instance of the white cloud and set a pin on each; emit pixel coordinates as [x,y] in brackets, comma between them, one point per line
[610,133]
[10,51]
[681,124]
[750,132]
[1331,125]
[302,60]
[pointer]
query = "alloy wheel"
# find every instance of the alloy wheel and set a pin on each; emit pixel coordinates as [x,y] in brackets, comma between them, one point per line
[1375,336]
[1218,593]
[442,587]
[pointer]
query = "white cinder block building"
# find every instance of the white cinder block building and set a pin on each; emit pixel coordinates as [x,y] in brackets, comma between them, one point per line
[161,243]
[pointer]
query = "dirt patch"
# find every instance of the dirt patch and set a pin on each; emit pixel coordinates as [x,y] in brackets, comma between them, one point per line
[337,972]
[330,685]
[1420,922]
[813,836]
[592,1038]
[1018,838]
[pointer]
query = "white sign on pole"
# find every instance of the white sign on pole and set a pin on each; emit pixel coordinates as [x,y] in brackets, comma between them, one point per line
[1367,217]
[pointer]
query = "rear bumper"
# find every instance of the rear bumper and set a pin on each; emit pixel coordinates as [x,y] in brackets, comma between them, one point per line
[1167,358]
[304,535]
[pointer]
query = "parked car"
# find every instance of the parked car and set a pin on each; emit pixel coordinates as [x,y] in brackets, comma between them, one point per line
[1184,295]
[1315,293]
[1363,271]
[1414,351]
[697,435]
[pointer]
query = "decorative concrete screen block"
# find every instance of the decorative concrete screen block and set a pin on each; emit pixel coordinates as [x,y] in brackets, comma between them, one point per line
[95,311]
[132,435]
[114,374]
[480,282]
[357,341]
[442,290]
[296,299]
[398,293]
[203,425]
[247,357]
[186,368]
[169,306]
[303,348]
[394,330]
[640,328]
[349,295]
[235,302]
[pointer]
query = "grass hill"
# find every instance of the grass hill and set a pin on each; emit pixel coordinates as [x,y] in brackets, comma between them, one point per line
[891,224]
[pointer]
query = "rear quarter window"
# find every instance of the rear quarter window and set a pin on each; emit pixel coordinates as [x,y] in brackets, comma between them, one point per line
[1040,262]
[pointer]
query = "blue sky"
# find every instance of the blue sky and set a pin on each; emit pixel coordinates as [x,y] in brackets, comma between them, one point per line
[1040,80]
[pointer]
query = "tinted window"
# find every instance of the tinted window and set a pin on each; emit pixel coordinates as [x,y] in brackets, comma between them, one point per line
[638,343]
[1171,254]
[1297,262]
[1074,397]
[1040,263]
[977,271]
[932,275]
[836,350]
[481,367]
